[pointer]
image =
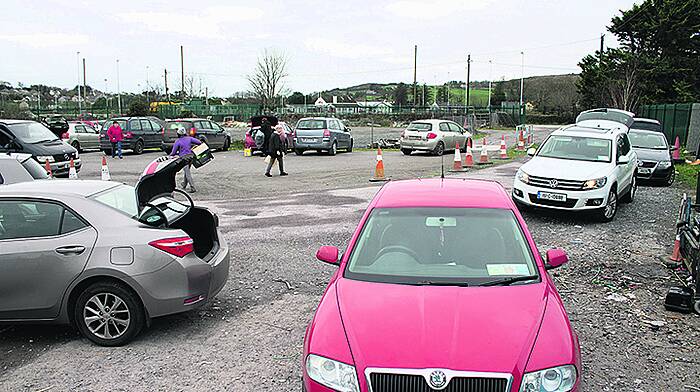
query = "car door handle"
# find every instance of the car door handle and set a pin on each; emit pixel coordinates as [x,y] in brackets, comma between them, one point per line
[69,250]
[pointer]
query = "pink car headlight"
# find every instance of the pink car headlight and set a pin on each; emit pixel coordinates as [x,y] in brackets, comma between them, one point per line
[557,379]
[332,374]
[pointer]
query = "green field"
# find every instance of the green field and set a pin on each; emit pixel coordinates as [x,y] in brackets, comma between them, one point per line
[477,97]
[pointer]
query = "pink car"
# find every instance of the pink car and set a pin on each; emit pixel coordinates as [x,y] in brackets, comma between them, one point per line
[441,288]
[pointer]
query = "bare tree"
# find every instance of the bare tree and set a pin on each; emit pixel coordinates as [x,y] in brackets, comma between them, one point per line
[266,81]
[625,92]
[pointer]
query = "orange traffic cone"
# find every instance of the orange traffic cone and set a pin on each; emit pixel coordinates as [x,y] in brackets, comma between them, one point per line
[48,169]
[484,157]
[503,152]
[676,155]
[676,256]
[469,159]
[521,142]
[379,169]
[105,170]
[457,166]
[72,173]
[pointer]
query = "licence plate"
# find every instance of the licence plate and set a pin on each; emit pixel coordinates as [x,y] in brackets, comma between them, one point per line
[308,140]
[551,196]
[644,170]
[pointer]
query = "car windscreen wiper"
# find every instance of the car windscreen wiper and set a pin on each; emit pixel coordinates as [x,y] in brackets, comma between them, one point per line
[436,283]
[507,281]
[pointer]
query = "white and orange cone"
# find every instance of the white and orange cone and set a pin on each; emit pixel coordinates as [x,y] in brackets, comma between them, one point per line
[484,157]
[521,142]
[379,168]
[457,165]
[469,159]
[48,169]
[105,170]
[676,256]
[72,173]
[503,152]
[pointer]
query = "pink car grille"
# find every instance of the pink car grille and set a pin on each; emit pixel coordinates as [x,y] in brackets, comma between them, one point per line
[383,382]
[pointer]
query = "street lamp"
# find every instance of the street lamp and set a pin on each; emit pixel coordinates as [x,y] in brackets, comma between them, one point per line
[119,93]
[77,57]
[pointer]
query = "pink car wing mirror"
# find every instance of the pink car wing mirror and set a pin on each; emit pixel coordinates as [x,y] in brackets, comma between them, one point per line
[328,254]
[556,258]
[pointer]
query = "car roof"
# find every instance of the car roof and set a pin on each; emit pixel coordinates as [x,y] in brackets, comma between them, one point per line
[50,188]
[584,131]
[647,131]
[605,110]
[432,121]
[9,122]
[187,119]
[16,156]
[647,120]
[437,192]
[318,118]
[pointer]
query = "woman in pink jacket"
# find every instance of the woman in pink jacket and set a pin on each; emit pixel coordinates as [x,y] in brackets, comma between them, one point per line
[116,135]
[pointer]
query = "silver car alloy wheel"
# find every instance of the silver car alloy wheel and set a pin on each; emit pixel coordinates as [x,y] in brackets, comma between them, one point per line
[612,204]
[106,316]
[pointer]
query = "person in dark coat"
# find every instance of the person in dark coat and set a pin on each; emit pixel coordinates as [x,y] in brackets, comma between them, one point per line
[266,129]
[276,151]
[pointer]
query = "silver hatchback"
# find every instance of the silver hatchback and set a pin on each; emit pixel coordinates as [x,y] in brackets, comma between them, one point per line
[322,134]
[434,136]
[81,136]
[105,256]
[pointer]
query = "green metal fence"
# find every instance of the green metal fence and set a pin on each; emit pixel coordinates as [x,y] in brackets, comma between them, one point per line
[675,119]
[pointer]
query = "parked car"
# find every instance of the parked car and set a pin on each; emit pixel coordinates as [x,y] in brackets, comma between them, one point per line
[434,136]
[205,130]
[322,134]
[31,137]
[253,136]
[20,168]
[579,168]
[647,124]
[437,273]
[140,133]
[654,156]
[81,136]
[56,123]
[605,118]
[104,256]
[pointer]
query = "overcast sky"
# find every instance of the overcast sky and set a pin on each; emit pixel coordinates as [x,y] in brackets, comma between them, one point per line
[328,43]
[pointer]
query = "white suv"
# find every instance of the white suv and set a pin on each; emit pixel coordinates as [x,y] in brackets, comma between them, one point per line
[580,168]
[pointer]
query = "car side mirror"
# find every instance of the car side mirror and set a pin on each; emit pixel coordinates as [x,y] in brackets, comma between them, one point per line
[328,254]
[531,152]
[556,258]
[623,160]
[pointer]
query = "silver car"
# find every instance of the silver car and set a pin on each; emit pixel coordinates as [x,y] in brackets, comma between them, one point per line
[82,136]
[434,136]
[322,134]
[20,168]
[104,256]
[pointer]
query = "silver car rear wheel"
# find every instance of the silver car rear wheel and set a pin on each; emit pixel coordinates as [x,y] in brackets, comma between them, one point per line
[106,316]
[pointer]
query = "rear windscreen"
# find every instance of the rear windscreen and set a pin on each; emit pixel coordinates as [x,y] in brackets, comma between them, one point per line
[175,125]
[647,126]
[122,124]
[420,127]
[311,124]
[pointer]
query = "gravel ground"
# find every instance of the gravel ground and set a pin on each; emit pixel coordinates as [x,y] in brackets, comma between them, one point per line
[249,337]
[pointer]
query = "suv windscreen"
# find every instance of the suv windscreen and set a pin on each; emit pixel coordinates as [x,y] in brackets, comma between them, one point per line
[420,127]
[311,124]
[440,246]
[619,117]
[579,148]
[648,140]
[647,126]
[32,132]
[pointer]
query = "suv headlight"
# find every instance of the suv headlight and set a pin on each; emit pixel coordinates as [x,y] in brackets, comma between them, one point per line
[664,164]
[522,176]
[595,184]
[44,158]
[556,379]
[332,374]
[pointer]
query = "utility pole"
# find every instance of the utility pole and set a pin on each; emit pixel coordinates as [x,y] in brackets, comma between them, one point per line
[206,95]
[80,107]
[167,94]
[602,47]
[148,87]
[415,66]
[522,83]
[84,81]
[490,80]
[182,71]
[119,92]
[466,86]
[106,98]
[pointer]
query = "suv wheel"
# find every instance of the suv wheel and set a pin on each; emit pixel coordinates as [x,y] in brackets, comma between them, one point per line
[350,148]
[138,147]
[439,149]
[629,196]
[669,181]
[298,151]
[406,151]
[334,149]
[607,213]
[108,314]
[227,145]
[76,145]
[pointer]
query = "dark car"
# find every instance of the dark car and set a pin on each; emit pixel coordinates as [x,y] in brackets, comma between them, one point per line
[653,156]
[205,130]
[140,133]
[56,124]
[31,137]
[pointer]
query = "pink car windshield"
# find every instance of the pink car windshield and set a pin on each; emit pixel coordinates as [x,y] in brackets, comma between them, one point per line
[466,246]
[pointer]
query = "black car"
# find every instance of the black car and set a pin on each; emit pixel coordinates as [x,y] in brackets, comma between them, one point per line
[205,130]
[653,155]
[140,133]
[56,124]
[31,137]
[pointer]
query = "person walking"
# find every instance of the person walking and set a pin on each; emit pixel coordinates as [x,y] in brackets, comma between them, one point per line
[266,130]
[116,135]
[276,151]
[183,146]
